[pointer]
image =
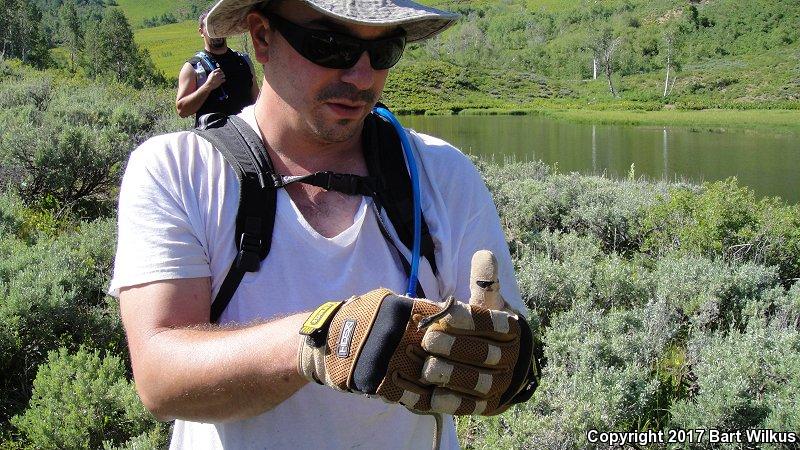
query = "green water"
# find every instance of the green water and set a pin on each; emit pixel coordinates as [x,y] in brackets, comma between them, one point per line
[766,161]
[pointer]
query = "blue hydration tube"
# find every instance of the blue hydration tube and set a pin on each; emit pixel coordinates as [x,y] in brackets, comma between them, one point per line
[412,170]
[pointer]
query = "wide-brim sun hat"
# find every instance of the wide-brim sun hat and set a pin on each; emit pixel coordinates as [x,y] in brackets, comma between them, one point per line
[420,22]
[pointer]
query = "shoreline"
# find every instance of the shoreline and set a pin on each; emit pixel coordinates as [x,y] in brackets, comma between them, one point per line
[784,120]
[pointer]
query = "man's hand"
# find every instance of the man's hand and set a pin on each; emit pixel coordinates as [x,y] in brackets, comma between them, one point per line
[215,79]
[191,97]
[431,357]
[482,353]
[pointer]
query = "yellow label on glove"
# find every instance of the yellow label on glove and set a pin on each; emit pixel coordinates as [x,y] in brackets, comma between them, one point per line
[319,318]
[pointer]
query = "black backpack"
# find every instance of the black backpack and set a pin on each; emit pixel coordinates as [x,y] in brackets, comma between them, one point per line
[388,184]
[204,63]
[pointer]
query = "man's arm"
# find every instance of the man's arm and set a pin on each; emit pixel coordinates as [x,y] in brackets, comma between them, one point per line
[190,98]
[186,368]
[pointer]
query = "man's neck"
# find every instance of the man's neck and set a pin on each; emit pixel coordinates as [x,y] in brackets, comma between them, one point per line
[216,51]
[298,152]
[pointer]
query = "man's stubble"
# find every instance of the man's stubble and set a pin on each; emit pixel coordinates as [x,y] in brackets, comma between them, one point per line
[344,129]
[218,43]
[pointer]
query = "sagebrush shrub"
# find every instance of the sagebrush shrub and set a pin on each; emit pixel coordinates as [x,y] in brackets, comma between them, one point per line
[531,199]
[621,283]
[83,400]
[639,328]
[725,221]
[556,271]
[52,295]
[11,220]
[599,374]
[611,210]
[66,140]
[744,379]
[710,293]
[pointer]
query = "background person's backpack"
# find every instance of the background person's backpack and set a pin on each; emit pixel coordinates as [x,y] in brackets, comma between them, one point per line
[204,63]
[388,184]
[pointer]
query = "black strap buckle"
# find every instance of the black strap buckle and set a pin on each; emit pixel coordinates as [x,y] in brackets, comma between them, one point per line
[277,180]
[248,259]
[339,182]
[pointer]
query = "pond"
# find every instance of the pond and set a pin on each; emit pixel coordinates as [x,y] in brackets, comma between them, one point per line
[766,161]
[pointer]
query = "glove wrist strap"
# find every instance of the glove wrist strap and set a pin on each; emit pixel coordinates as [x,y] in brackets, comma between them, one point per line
[311,354]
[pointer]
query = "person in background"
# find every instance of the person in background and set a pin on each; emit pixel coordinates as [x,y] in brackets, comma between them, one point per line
[215,79]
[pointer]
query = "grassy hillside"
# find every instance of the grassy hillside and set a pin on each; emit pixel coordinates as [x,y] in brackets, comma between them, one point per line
[770,79]
[519,54]
[170,45]
[138,10]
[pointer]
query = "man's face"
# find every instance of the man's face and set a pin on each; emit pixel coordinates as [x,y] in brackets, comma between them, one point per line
[217,43]
[329,104]
[213,43]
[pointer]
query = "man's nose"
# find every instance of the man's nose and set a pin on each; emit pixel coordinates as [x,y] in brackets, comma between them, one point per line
[362,75]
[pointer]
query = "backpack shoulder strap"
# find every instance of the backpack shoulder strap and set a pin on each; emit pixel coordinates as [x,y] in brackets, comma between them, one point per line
[202,67]
[255,218]
[386,162]
[246,58]
[205,61]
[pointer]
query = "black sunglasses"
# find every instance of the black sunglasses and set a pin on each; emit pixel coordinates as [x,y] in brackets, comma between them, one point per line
[338,50]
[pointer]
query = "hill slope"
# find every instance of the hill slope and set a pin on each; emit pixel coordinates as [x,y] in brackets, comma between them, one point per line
[139,10]
[516,53]
[170,45]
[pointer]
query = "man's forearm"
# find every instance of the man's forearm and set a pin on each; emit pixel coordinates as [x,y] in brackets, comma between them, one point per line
[214,374]
[192,103]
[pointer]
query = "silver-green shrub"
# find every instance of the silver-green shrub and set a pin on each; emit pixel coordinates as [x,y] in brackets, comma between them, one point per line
[711,293]
[83,400]
[746,378]
[555,270]
[65,140]
[647,306]
[52,295]
[532,199]
[599,375]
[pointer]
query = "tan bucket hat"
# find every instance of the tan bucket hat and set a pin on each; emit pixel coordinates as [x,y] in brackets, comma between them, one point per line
[420,22]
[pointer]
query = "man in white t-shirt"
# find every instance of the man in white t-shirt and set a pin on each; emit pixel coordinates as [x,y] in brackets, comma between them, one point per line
[236,385]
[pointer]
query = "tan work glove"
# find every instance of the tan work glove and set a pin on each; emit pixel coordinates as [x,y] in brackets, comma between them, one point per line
[447,357]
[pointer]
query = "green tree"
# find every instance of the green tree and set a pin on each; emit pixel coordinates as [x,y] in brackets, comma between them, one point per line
[70,32]
[111,51]
[673,35]
[604,45]
[21,34]
[84,401]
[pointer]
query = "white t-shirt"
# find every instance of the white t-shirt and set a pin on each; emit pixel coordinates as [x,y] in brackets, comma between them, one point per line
[177,212]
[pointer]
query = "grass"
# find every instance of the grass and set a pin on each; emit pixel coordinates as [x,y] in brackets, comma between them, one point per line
[138,10]
[763,119]
[787,120]
[170,45]
[753,78]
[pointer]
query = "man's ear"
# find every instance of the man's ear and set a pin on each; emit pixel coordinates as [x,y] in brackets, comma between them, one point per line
[259,34]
